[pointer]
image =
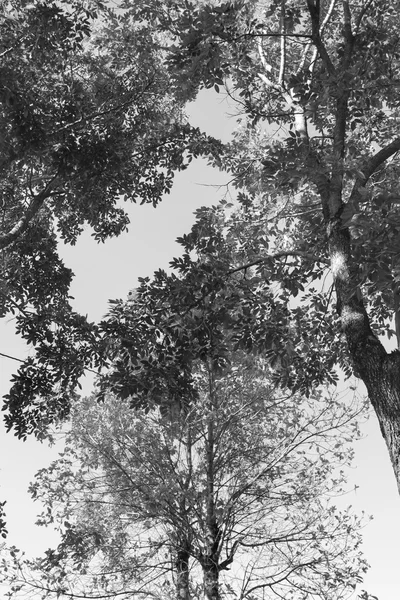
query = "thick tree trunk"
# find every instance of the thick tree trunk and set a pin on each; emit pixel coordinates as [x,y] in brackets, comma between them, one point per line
[182,574]
[379,370]
[382,378]
[211,580]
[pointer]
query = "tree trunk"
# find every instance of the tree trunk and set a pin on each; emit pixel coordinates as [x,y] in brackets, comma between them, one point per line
[379,370]
[382,379]
[211,580]
[182,574]
[209,561]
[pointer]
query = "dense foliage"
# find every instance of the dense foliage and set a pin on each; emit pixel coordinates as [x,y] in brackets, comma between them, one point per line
[90,118]
[316,164]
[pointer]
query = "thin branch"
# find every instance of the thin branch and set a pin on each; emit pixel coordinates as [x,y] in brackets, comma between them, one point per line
[7,51]
[275,34]
[283,44]
[327,17]
[266,66]
[361,15]
[285,254]
[67,594]
[283,578]
[101,113]
[11,357]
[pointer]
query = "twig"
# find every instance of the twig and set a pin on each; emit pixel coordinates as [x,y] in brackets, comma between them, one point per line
[11,357]
[297,253]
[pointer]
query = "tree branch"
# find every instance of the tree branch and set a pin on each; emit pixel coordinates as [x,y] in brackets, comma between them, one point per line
[361,15]
[267,68]
[371,166]
[11,357]
[283,44]
[284,577]
[314,10]
[21,226]
[285,254]
[379,158]
[315,53]
[348,35]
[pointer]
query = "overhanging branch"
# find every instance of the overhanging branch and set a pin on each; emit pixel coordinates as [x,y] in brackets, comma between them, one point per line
[285,254]
[380,157]
[372,165]
[11,357]
[32,210]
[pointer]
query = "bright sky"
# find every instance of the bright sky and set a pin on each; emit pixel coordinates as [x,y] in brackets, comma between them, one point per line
[110,271]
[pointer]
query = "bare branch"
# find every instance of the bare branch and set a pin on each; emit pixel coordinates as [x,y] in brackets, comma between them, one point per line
[283,44]
[11,357]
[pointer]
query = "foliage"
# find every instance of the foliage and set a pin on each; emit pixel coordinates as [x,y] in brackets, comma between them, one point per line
[245,466]
[208,306]
[277,178]
[316,160]
[90,119]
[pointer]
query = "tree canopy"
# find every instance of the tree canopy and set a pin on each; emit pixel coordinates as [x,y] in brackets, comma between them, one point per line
[90,118]
[231,496]
[314,163]
[316,166]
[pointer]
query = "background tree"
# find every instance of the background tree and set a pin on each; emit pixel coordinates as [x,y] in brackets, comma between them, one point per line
[147,501]
[316,163]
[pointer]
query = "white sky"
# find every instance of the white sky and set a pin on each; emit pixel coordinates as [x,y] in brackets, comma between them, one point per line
[110,271]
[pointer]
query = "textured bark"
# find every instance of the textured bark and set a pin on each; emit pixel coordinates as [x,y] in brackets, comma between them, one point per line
[381,375]
[211,580]
[379,370]
[182,574]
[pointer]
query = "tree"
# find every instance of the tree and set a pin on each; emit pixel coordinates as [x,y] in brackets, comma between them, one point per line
[90,118]
[316,166]
[147,501]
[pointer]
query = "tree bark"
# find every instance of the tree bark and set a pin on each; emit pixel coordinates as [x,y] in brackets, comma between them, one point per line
[378,369]
[182,573]
[211,579]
